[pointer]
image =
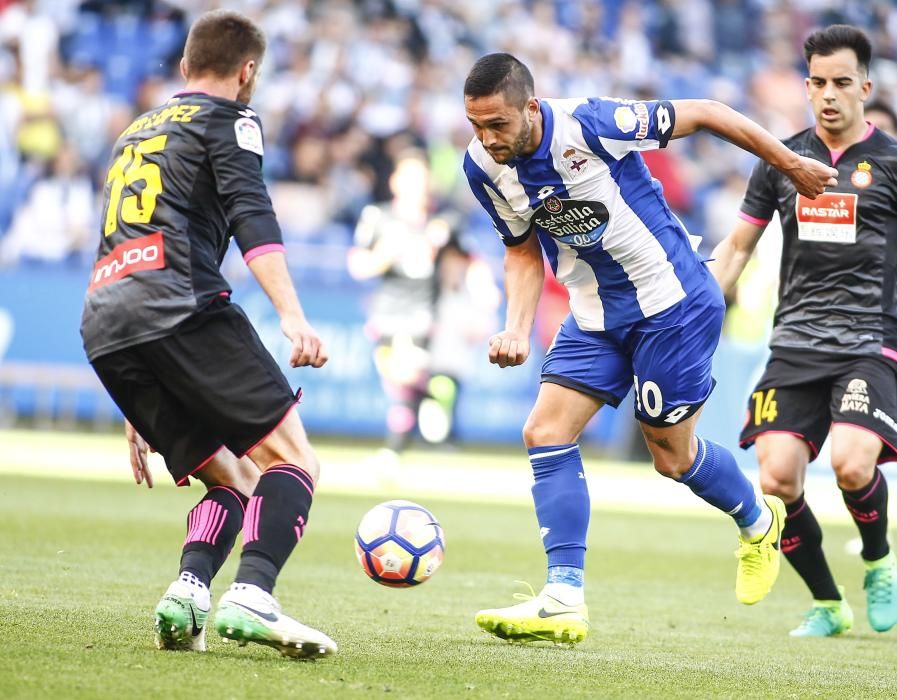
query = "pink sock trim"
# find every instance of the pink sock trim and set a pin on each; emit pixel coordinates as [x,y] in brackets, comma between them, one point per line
[297,473]
[799,510]
[300,528]
[231,491]
[874,486]
[251,521]
[205,522]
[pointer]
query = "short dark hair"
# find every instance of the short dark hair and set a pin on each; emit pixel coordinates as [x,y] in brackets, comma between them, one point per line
[500,72]
[221,41]
[824,42]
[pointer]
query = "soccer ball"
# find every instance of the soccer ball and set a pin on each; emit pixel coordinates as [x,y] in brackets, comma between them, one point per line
[399,544]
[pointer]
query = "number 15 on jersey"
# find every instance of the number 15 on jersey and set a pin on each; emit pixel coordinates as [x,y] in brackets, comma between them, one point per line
[128,170]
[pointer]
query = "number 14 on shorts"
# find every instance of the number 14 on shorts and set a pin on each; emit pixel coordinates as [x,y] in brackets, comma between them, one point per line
[765,406]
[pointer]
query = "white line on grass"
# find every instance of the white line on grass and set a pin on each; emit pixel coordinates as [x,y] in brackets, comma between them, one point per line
[462,476]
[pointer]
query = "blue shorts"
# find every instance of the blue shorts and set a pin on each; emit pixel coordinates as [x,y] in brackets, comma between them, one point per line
[667,356]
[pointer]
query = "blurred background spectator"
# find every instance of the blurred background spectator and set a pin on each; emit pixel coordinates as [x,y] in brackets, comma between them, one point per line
[350,85]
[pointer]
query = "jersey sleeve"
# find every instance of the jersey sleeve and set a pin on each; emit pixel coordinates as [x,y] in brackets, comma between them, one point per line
[235,145]
[622,126]
[511,228]
[760,201]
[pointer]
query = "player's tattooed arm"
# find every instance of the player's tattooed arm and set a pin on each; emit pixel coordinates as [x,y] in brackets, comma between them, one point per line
[524,277]
[810,176]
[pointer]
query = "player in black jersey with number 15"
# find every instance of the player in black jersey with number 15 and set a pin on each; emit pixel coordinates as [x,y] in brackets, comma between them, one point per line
[833,367]
[183,363]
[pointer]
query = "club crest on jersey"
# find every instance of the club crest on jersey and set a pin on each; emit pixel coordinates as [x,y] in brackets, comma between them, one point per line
[575,163]
[862,176]
[249,135]
[625,119]
[578,223]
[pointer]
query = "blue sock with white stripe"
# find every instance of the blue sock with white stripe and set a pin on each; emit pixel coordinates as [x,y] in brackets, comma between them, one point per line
[716,478]
[561,496]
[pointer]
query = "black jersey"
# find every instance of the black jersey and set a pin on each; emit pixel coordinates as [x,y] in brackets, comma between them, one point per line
[839,252]
[183,179]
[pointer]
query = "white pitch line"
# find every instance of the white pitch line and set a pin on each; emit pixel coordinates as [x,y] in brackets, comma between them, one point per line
[420,474]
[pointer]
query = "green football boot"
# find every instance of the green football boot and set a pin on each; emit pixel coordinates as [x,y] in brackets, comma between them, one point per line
[827,618]
[246,613]
[181,616]
[880,584]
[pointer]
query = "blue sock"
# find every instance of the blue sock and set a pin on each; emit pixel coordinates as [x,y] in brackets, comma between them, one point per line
[561,496]
[716,478]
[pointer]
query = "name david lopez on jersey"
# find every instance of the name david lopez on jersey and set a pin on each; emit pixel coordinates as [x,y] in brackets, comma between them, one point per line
[176,113]
[577,223]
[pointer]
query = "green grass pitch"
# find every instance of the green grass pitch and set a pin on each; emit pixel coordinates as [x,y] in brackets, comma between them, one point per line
[83,563]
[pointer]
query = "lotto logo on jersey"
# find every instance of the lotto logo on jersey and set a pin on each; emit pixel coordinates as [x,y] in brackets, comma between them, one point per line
[144,253]
[830,218]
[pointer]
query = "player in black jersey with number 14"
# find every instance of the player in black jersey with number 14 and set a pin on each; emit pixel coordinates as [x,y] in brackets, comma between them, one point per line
[833,366]
[183,363]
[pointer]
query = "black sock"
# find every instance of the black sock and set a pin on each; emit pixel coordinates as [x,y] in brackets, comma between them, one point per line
[869,508]
[802,547]
[212,527]
[275,522]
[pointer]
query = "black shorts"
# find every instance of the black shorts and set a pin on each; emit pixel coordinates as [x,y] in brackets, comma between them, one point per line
[210,384]
[804,393]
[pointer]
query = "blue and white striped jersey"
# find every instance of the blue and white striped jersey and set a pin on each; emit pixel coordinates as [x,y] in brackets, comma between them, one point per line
[601,218]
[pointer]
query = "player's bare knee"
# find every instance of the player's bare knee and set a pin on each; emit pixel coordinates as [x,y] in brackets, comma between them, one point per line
[540,434]
[788,489]
[853,472]
[671,466]
[246,476]
[311,464]
[303,457]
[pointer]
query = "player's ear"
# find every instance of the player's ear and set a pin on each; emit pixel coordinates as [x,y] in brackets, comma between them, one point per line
[247,71]
[183,67]
[532,106]
[865,90]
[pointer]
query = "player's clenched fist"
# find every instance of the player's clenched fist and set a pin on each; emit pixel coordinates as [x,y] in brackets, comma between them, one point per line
[308,350]
[811,176]
[508,349]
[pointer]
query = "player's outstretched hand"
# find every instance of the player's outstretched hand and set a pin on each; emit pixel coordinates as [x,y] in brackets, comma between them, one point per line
[139,449]
[811,177]
[508,349]
[308,350]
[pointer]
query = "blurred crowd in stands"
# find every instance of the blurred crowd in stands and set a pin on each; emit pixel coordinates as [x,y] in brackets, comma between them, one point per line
[348,85]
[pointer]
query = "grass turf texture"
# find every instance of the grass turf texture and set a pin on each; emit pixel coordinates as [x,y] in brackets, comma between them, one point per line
[83,563]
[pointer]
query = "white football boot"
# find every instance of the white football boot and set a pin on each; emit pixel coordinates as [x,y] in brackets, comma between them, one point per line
[246,613]
[181,615]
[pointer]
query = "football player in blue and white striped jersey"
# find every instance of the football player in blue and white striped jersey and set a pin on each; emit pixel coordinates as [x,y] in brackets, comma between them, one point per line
[564,177]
